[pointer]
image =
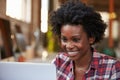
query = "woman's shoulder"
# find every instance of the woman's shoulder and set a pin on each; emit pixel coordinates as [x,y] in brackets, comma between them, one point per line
[106,58]
[62,56]
[60,59]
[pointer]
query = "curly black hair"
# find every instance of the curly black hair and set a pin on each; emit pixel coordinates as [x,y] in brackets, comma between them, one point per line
[77,13]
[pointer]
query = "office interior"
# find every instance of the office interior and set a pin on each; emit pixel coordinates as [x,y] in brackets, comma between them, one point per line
[25,34]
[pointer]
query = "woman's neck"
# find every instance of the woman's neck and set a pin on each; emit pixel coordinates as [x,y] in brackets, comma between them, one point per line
[84,62]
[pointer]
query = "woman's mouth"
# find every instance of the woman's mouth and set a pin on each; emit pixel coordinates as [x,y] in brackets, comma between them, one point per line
[72,53]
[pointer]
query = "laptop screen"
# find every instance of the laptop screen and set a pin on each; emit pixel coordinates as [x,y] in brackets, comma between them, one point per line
[27,71]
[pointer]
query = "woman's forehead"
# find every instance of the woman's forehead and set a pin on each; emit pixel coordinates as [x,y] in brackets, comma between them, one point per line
[72,28]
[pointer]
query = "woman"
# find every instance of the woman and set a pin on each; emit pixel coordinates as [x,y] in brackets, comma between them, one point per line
[78,27]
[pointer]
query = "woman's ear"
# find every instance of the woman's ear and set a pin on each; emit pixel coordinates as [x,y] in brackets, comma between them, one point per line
[91,40]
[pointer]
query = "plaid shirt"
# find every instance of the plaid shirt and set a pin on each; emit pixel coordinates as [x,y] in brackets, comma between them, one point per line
[102,68]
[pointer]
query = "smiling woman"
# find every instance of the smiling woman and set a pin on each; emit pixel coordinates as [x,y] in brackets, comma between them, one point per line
[78,27]
[75,42]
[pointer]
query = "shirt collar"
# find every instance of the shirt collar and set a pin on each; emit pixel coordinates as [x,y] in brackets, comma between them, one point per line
[95,60]
[94,64]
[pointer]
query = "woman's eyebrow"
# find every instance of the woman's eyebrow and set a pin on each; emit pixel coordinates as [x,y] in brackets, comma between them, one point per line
[76,35]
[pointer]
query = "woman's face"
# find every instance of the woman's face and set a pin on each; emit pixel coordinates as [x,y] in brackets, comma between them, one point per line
[75,42]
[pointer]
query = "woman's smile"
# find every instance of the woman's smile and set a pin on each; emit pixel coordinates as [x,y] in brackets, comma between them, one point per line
[73,53]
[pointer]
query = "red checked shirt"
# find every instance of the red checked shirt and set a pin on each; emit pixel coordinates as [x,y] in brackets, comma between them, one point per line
[102,68]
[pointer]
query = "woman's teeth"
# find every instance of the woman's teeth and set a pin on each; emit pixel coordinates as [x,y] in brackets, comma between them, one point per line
[72,53]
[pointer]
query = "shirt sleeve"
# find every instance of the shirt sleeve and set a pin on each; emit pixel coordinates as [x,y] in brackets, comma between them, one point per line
[116,71]
[55,61]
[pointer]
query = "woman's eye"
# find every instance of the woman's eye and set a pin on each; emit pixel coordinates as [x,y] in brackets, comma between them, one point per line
[76,40]
[64,39]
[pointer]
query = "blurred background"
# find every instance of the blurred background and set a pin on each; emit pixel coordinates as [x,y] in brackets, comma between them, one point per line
[25,34]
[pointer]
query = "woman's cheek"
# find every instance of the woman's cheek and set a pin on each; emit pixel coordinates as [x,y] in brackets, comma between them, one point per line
[62,45]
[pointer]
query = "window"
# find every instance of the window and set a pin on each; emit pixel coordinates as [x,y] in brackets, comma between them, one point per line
[105,17]
[19,9]
[44,16]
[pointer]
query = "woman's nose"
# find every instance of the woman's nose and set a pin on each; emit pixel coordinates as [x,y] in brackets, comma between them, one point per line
[69,45]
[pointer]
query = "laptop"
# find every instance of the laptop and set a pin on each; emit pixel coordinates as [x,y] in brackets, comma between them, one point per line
[27,71]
